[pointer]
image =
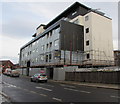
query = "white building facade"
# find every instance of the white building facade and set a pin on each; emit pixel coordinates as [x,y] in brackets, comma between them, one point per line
[77,37]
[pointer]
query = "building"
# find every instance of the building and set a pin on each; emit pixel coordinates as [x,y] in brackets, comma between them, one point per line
[117,57]
[6,64]
[79,36]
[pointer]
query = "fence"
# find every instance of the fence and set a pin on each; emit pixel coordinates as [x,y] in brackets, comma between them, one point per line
[94,77]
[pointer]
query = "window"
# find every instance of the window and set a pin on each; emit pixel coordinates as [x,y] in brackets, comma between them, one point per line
[88,56]
[87,30]
[30,52]
[46,58]
[43,47]
[36,49]
[36,59]
[76,21]
[56,42]
[74,13]
[26,54]
[23,55]
[86,18]
[33,50]
[50,44]
[42,57]
[48,35]
[47,46]
[87,43]
[50,57]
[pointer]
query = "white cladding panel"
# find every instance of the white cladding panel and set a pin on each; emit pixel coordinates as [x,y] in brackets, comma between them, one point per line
[40,30]
[99,36]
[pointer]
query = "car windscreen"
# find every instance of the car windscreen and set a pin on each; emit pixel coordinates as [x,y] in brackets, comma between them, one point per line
[42,75]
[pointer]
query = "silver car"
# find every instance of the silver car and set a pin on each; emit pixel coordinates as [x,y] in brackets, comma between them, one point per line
[14,73]
[39,77]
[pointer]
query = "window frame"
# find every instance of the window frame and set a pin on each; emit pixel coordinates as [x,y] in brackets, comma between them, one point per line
[87,30]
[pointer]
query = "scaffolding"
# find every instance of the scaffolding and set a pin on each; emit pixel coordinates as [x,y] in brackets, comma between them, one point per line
[73,58]
[96,58]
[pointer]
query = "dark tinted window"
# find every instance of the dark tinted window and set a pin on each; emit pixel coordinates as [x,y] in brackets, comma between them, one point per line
[87,30]
[43,75]
[88,56]
[87,42]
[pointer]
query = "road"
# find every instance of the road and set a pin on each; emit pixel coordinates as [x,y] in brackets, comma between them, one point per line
[22,90]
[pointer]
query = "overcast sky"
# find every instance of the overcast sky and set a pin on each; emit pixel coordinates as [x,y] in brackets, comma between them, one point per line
[19,20]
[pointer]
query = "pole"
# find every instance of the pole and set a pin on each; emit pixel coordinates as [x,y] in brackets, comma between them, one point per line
[70,52]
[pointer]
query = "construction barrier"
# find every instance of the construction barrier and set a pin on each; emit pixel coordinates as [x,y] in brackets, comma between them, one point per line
[112,77]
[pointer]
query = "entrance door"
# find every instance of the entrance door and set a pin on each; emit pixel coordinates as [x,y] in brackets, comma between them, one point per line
[28,67]
[51,73]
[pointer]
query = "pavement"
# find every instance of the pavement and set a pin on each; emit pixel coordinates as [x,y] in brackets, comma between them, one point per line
[3,96]
[97,85]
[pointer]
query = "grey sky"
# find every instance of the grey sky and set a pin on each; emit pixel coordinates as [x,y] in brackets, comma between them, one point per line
[20,19]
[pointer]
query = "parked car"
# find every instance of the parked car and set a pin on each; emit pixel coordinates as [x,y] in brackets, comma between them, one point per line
[7,71]
[39,77]
[14,73]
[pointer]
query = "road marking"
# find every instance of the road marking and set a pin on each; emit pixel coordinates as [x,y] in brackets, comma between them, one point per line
[71,89]
[44,88]
[67,85]
[43,95]
[24,89]
[60,100]
[9,85]
[33,92]
[115,97]
[85,92]
[47,85]
[76,90]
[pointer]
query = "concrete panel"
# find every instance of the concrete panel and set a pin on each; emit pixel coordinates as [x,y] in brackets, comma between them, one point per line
[59,74]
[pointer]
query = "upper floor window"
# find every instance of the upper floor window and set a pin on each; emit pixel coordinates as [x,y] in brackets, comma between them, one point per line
[50,44]
[87,43]
[47,46]
[76,21]
[30,52]
[50,33]
[87,30]
[47,35]
[42,57]
[74,13]
[88,56]
[50,57]
[43,47]
[86,18]
[56,42]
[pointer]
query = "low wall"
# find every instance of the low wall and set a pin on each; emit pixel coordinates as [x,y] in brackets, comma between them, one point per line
[32,71]
[94,77]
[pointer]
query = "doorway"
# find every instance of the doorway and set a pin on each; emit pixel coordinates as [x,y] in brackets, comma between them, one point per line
[28,68]
[51,73]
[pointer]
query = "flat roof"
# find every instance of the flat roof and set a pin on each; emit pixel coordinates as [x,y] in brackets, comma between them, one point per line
[40,26]
[64,13]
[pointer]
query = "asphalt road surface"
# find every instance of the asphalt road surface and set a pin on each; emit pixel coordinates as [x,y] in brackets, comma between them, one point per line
[22,90]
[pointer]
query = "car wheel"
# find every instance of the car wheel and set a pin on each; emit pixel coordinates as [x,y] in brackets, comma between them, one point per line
[46,81]
[37,80]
